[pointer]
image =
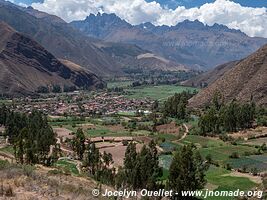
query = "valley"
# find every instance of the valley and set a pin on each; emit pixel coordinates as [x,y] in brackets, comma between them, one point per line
[111,120]
[97,104]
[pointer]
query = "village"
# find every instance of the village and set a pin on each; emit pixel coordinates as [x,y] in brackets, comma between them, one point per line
[83,104]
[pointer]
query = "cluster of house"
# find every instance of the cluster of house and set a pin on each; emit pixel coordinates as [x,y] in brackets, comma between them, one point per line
[77,105]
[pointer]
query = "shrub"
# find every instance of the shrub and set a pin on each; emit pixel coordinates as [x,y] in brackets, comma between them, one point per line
[228,166]
[125,143]
[9,192]
[254,171]
[234,155]
[28,170]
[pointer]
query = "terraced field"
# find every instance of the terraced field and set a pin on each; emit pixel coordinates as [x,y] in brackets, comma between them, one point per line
[255,161]
[221,154]
[257,142]
[221,180]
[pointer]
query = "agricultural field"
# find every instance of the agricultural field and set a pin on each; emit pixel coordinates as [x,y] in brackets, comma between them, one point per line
[223,180]
[67,166]
[219,178]
[203,141]
[3,101]
[121,84]
[169,146]
[258,162]
[222,154]
[256,142]
[161,92]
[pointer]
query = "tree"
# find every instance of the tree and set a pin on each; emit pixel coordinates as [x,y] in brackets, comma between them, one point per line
[92,159]
[4,111]
[187,170]
[56,89]
[78,143]
[142,169]
[130,163]
[155,105]
[175,106]
[31,137]
[42,89]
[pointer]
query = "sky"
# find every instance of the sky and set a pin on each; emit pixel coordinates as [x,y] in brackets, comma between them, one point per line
[249,16]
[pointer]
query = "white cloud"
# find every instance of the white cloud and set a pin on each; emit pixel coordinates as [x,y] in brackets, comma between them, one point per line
[252,21]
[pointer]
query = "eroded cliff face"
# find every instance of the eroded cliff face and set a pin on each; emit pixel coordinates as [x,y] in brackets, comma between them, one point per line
[26,65]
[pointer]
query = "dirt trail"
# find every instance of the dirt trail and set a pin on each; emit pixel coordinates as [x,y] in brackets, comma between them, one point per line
[185,133]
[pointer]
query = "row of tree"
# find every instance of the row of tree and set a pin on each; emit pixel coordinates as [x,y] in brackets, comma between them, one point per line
[31,136]
[141,170]
[55,89]
[175,106]
[227,117]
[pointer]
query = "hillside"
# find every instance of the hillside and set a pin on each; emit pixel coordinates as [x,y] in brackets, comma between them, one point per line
[190,43]
[38,182]
[243,82]
[207,78]
[59,38]
[65,42]
[26,65]
[134,57]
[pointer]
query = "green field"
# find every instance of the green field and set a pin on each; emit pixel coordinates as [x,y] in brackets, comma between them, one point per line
[219,179]
[221,154]
[161,92]
[255,161]
[100,131]
[203,141]
[68,166]
[256,142]
[121,84]
[5,101]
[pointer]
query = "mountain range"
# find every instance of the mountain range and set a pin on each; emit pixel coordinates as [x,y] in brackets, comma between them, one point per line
[26,66]
[244,80]
[65,42]
[189,43]
[39,49]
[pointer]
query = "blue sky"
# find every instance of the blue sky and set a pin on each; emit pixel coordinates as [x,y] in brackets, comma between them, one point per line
[187,3]
[196,3]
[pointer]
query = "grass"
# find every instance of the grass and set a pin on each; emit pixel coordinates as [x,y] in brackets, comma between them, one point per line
[3,101]
[221,154]
[221,151]
[218,176]
[121,84]
[127,114]
[161,92]
[256,142]
[165,175]
[255,161]
[8,149]
[100,131]
[67,122]
[67,166]
[203,141]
